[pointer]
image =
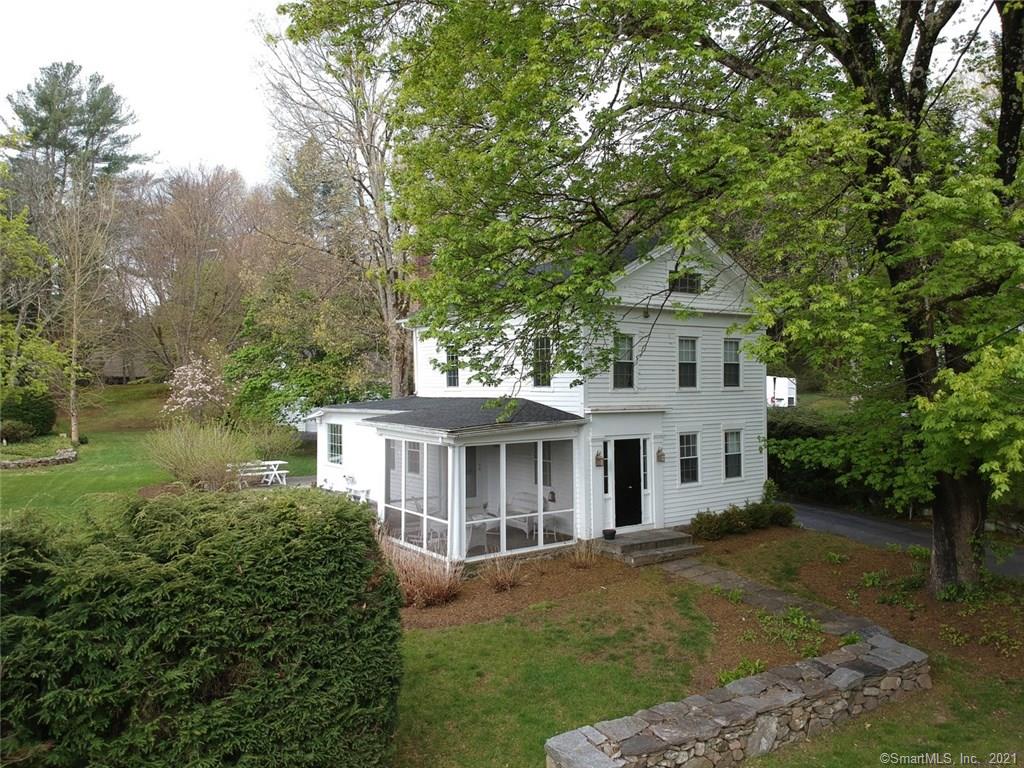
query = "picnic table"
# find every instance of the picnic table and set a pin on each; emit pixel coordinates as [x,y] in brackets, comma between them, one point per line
[268,472]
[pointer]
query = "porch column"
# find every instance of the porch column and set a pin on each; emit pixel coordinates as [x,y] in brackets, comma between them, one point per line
[456,507]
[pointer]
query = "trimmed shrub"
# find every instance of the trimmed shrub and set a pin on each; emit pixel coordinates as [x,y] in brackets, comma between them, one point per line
[782,515]
[708,526]
[36,409]
[711,527]
[757,515]
[15,431]
[202,630]
[200,455]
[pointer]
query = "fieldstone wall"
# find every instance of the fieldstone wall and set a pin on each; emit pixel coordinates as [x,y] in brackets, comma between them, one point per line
[63,456]
[750,716]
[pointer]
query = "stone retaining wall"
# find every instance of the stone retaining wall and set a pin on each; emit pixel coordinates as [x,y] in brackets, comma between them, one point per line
[750,716]
[63,456]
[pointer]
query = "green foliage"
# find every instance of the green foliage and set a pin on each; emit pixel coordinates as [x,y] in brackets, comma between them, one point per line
[794,628]
[874,578]
[30,406]
[918,552]
[710,526]
[34,448]
[836,558]
[15,431]
[953,636]
[202,630]
[200,455]
[298,353]
[270,440]
[745,668]
[850,638]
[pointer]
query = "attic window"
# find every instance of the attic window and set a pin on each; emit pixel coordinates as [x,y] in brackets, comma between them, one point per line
[684,282]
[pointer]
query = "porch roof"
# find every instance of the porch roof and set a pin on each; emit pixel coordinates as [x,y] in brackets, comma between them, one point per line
[457,414]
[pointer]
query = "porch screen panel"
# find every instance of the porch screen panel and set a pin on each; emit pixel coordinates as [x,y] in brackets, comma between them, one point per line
[437,499]
[393,487]
[521,498]
[483,500]
[558,491]
[413,532]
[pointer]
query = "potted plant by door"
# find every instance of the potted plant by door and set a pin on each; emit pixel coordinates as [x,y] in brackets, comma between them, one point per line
[608,533]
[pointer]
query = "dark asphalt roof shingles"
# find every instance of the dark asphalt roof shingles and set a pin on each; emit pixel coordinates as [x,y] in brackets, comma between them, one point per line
[452,414]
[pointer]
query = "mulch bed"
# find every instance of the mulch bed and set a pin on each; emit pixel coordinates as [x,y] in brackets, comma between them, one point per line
[985,634]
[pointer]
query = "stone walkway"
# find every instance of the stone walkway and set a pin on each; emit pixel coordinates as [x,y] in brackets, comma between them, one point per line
[753,593]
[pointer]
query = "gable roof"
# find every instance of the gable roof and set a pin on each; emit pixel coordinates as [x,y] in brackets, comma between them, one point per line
[456,414]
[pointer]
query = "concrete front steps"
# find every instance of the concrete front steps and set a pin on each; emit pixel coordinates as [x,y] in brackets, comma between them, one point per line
[650,547]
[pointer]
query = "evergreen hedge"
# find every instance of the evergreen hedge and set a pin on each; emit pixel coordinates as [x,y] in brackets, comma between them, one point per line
[209,629]
[36,409]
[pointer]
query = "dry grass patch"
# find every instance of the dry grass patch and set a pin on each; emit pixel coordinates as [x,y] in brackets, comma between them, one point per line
[425,581]
[502,573]
[583,554]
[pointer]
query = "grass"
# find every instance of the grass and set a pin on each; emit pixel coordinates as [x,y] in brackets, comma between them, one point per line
[489,695]
[820,401]
[964,713]
[112,466]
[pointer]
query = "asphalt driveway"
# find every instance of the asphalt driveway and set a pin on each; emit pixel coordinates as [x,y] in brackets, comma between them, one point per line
[877,532]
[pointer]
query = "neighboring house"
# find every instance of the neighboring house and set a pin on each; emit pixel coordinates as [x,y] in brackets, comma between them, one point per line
[675,427]
[780,391]
[121,368]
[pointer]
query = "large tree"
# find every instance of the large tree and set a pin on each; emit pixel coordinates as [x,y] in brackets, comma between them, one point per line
[338,107]
[857,156]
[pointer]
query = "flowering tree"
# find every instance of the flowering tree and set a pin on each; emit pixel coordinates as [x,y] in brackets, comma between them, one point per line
[197,391]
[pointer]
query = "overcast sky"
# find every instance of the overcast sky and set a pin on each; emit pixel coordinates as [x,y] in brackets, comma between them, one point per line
[188,69]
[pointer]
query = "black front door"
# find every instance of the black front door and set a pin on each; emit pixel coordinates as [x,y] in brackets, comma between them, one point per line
[628,502]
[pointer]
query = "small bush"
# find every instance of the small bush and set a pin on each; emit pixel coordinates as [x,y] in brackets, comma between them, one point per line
[203,629]
[756,516]
[836,558]
[16,431]
[83,439]
[874,578]
[745,668]
[734,520]
[269,440]
[424,580]
[502,573]
[583,554]
[918,552]
[200,455]
[850,638]
[36,409]
[783,515]
[708,526]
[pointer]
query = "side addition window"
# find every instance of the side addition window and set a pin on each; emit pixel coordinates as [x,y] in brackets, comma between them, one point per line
[733,454]
[334,443]
[731,363]
[689,472]
[622,368]
[687,362]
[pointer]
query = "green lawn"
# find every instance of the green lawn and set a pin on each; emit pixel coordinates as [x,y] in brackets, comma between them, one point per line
[112,466]
[489,695]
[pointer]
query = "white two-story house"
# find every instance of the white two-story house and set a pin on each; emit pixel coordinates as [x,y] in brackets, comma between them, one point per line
[673,428]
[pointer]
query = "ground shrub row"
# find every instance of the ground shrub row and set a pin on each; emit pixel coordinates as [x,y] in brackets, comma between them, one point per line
[712,526]
[257,628]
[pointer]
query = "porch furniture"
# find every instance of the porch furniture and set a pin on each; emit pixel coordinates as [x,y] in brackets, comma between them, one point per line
[353,492]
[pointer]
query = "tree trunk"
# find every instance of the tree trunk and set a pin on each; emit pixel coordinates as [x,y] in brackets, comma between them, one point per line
[73,393]
[958,523]
[400,360]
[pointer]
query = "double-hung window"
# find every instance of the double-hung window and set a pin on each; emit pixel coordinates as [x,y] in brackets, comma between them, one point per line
[622,368]
[731,363]
[451,365]
[687,362]
[542,362]
[334,443]
[733,454]
[689,472]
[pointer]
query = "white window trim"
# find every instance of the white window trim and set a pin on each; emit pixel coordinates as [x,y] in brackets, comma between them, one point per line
[696,387]
[341,428]
[636,368]
[533,361]
[721,372]
[741,475]
[700,455]
[458,374]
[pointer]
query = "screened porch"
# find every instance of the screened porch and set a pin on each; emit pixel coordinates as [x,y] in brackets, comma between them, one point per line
[465,502]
